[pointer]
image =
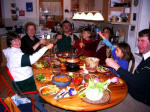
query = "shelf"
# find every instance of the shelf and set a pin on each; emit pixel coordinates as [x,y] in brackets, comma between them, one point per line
[125,23]
[109,12]
[117,8]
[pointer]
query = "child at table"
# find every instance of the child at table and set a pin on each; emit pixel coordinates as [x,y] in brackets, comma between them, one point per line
[82,42]
[121,54]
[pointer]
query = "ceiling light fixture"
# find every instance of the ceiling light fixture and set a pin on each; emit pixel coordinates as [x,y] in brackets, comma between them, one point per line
[91,15]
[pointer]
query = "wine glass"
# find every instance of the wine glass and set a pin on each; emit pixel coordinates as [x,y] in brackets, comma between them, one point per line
[108,52]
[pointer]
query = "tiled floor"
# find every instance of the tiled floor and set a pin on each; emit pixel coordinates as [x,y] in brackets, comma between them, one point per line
[49,107]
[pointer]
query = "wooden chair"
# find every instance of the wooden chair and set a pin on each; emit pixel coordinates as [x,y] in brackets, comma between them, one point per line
[9,74]
[4,105]
[3,86]
[37,104]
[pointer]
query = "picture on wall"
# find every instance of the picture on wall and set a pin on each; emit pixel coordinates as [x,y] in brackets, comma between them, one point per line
[134,16]
[21,12]
[29,6]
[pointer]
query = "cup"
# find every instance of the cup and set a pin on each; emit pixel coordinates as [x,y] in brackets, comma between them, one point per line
[92,63]
[97,30]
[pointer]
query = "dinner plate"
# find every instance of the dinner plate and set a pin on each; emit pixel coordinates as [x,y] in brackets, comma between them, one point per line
[42,64]
[63,54]
[102,69]
[103,100]
[66,54]
[49,90]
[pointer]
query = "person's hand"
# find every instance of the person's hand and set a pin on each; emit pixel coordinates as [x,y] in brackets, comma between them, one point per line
[72,39]
[43,41]
[71,36]
[112,63]
[49,46]
[59,37]
[101,35]
[81,44]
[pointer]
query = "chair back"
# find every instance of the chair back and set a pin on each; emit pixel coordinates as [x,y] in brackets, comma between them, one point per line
[5,87]
[25,93]
[11,77]
[4,107]
[5,90]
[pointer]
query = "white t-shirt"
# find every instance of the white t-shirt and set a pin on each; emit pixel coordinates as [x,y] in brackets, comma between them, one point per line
[14,58]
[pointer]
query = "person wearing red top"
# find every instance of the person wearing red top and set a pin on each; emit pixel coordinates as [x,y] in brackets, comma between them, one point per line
[98,48]
[84,41]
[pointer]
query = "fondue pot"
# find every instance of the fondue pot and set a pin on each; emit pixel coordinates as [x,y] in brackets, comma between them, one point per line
[72,64]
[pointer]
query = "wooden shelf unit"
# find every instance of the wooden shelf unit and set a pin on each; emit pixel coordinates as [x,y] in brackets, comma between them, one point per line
[107,9]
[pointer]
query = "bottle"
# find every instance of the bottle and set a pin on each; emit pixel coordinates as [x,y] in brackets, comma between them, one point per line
[96,31]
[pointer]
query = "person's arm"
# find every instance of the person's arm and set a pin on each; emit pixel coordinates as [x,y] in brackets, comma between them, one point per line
[76,44]
[72,39]
[135,80]
[112,63]
[36,56]
[41,42]
[58,37]
[36,45]
[28,60]
[109,44]
[106,41]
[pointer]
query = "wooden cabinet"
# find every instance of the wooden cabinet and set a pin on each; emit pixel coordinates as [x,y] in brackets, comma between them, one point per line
[75,5]
[117,13]
[114,11]
[85,5]
[3,45]
[50,12]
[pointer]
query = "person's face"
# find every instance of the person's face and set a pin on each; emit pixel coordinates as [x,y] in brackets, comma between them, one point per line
[66,27]
[106,33]
[143,44]
[86,34]
[31,30]
[16,43]
[119,52]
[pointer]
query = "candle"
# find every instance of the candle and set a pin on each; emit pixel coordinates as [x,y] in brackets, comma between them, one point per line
[70,73]
[85,71]
[84,67]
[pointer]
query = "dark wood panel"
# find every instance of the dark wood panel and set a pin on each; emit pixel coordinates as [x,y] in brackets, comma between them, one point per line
[0,15]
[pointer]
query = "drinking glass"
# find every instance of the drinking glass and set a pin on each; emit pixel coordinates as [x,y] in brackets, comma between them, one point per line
[108,52]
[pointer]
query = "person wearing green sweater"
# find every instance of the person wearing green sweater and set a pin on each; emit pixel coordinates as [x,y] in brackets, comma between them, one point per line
[66,40]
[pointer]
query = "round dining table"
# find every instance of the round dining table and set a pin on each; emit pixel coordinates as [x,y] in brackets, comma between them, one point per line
[118,92]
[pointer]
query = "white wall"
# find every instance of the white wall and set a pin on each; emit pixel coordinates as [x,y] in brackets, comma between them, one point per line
[142,22]
[67,5]
[21,4]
